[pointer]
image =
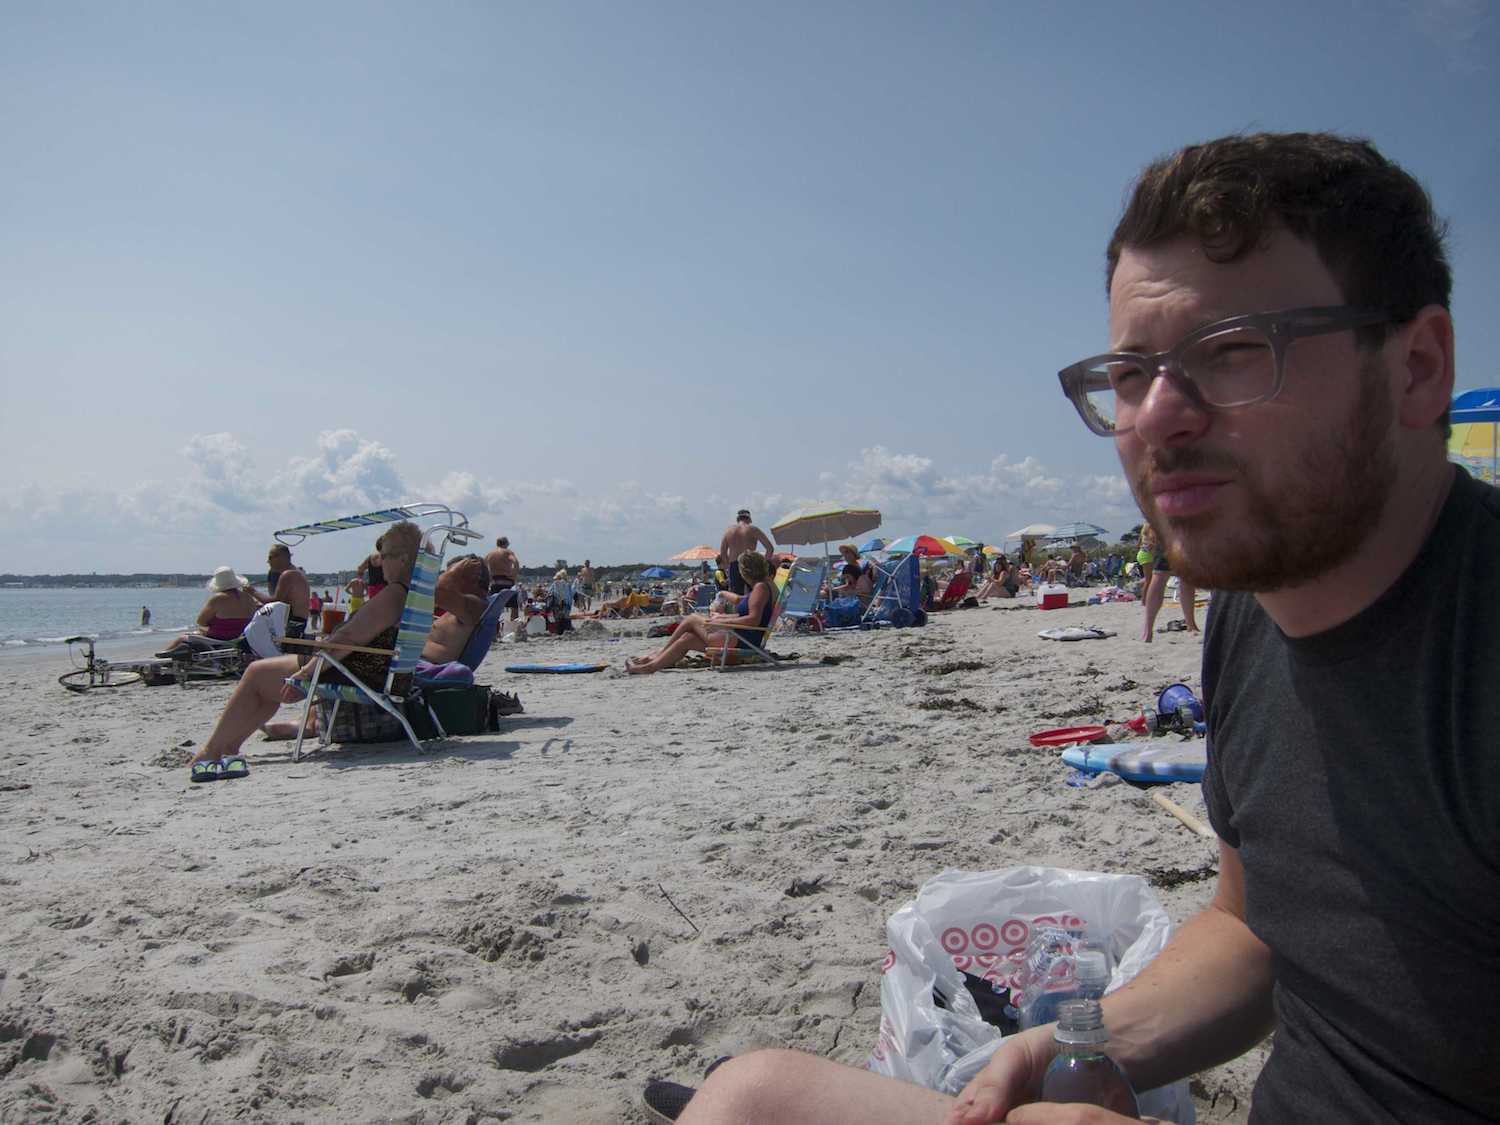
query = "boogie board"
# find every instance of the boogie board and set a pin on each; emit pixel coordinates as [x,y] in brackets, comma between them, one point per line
[1142,761]
[556,667]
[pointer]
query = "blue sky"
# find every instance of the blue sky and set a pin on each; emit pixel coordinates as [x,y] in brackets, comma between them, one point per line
[600,274]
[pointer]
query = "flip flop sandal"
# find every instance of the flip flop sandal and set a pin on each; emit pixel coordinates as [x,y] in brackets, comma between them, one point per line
[207,771]
[232,768]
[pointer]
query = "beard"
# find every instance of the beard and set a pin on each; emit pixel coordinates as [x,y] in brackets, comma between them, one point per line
[1315,517]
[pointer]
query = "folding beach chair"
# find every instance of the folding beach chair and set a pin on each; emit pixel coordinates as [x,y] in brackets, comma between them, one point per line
[958,586]
[444,526]
[747,652]
[799,596]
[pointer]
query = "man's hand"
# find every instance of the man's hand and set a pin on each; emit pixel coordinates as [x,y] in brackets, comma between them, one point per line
[1010,1079]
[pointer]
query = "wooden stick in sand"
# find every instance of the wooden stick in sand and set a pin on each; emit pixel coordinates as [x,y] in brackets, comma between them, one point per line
[1182,814]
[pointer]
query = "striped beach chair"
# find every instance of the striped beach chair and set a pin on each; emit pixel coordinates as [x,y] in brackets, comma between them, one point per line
[400,685]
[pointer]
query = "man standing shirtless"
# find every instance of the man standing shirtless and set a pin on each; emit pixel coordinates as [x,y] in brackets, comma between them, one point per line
[504,569]
[739,537]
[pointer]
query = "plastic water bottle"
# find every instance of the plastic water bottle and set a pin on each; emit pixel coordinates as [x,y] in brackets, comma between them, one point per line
[1083,1070]
[1061,970]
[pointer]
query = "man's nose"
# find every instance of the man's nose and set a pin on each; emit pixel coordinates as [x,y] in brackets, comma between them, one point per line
[1168,415]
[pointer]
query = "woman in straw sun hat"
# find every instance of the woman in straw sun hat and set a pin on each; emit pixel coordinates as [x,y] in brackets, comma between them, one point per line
[228,610]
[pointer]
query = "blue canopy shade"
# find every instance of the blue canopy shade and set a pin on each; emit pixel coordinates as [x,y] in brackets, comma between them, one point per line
[656,572]
[1477,406]
[876,544]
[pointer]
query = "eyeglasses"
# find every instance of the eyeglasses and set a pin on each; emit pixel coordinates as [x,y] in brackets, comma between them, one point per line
[1234,362]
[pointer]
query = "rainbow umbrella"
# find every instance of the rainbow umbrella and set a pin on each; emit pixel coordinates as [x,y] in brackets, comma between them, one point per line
[923,546]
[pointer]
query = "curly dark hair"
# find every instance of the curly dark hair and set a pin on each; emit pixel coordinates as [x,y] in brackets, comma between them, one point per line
[1370,221]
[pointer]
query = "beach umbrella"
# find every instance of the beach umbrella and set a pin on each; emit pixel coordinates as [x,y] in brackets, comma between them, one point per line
[961,540]
[1475,442]
[991,549]
[927,546]
[656,572]
[702,553]
[876,544]
[822,523]
[1032,531]
[1076,531]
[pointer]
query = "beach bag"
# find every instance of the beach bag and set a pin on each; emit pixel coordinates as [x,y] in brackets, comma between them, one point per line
[365,722]
[841,613]
[979,922]
[462,709]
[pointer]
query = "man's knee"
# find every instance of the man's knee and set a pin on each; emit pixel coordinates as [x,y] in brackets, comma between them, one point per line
[762,1086]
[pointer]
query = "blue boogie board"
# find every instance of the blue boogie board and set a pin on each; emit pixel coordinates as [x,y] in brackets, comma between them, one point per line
[1142,761]
[556,667]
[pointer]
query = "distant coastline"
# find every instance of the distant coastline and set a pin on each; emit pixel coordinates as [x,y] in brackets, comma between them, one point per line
[322,580]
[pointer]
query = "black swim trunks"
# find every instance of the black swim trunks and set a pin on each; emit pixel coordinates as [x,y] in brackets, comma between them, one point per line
[499,584]
[737,580]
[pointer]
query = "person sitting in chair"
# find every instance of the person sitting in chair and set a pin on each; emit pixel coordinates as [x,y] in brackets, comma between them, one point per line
[460,594]
[1004,582]
[271,682]
[716,632]
[285,583]
[224,616]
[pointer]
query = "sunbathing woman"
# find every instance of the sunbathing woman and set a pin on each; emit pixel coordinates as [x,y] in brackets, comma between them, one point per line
[716,632]
[226,613]
[269,683]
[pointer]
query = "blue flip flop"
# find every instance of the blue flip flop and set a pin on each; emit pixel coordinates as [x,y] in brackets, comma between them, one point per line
[233,767]
[207,771]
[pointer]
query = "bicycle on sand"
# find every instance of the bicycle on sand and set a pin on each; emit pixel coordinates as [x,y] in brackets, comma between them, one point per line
[95,672]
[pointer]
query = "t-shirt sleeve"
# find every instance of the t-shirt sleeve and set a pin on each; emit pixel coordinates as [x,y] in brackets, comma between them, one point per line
[1220,811]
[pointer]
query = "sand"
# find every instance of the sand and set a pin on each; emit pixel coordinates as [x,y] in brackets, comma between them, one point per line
[527,926]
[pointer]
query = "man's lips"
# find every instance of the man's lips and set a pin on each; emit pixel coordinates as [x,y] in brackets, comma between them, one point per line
[1186,494]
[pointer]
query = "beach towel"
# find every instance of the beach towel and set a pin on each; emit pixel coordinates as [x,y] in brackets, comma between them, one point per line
[1075,633]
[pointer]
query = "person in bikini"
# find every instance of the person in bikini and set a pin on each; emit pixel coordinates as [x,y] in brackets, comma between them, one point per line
[226,613]
[717,631]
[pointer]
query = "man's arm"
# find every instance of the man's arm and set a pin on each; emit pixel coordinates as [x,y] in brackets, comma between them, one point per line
[766,539]
[1205,999]
[466,607]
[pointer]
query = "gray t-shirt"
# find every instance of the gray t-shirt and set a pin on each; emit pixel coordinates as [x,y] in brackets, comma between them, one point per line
[1358,774]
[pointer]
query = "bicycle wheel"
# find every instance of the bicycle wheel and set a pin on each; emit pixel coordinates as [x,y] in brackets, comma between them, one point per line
[82,679]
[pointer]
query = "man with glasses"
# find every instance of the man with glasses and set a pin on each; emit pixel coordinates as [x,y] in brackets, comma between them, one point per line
[1277,385]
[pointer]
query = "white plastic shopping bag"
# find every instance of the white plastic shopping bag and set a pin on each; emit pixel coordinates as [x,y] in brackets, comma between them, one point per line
[979,922]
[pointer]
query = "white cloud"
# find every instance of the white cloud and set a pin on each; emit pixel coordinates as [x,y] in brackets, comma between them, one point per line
[347,474]
[223,506]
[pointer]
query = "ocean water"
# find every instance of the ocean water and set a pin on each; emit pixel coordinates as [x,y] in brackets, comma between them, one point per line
[41,617]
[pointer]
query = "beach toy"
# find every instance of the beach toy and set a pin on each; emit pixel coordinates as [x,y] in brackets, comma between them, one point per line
[555,668]
[1064,736]
[1142,761]
[1175,698]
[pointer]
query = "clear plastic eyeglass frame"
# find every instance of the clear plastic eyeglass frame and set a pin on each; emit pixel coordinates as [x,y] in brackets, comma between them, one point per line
[1281,328]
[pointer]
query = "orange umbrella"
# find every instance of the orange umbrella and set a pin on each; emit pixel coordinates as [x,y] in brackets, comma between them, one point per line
[695,554]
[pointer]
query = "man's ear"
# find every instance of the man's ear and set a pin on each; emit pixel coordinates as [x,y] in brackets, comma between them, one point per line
[1425,367]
